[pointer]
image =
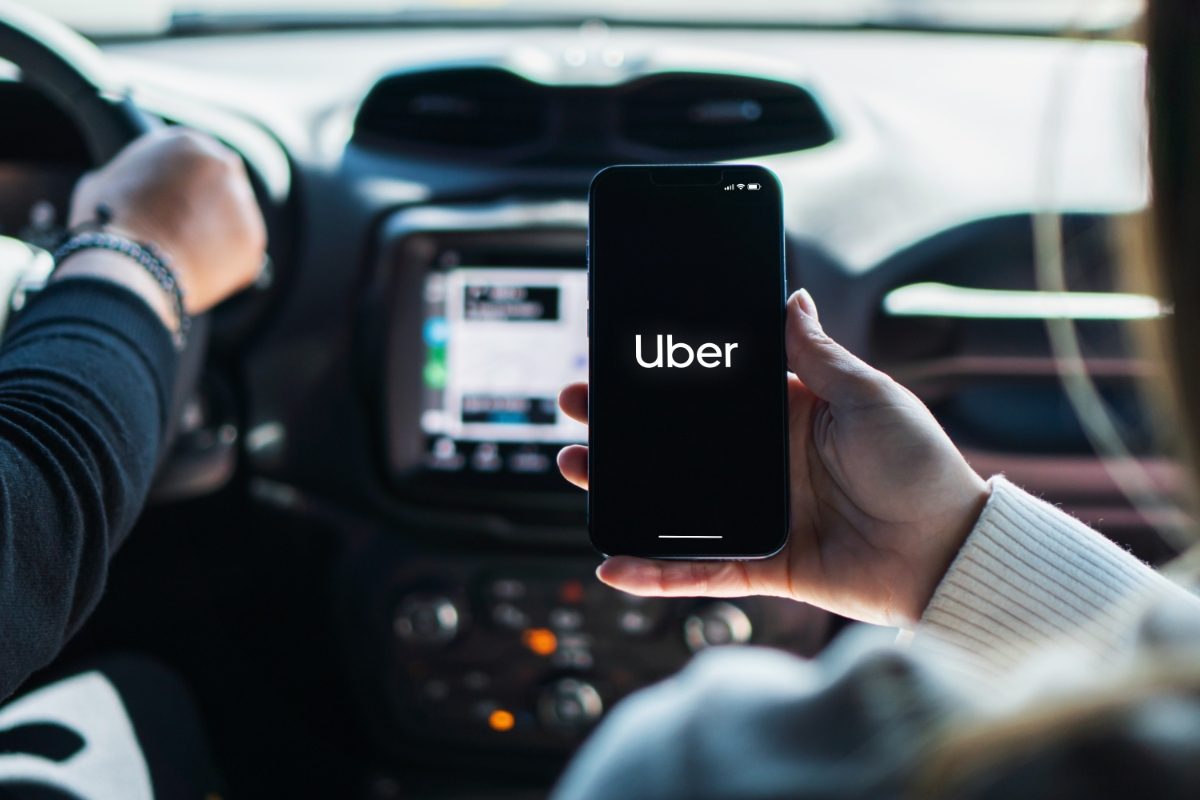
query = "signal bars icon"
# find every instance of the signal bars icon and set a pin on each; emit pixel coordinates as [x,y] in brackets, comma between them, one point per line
[733,186]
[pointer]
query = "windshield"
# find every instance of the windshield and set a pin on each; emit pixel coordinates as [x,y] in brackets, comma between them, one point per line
[142,17]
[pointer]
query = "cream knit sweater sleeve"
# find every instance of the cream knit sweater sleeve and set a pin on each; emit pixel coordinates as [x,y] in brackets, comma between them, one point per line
[1030,575]
[1032,587]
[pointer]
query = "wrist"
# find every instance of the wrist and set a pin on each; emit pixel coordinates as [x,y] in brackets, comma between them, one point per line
[151,263]
[122,270]
[945,544]
[161,244]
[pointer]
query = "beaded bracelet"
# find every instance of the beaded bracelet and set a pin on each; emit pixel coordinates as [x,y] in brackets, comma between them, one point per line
[145,255]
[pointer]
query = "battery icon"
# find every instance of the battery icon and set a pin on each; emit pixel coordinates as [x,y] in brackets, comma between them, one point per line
[754,187]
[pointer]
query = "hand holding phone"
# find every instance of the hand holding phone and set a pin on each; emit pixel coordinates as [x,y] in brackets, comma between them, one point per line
[880,498]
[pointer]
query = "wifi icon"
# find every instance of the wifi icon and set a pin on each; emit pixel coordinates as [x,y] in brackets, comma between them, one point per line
[741,186]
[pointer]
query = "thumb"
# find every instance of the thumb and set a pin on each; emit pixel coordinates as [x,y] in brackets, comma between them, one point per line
[830,371]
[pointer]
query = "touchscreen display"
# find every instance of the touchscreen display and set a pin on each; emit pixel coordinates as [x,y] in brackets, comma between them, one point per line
[688,401]
[500,343]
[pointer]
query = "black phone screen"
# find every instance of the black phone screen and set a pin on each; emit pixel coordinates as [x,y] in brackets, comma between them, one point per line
[687,406]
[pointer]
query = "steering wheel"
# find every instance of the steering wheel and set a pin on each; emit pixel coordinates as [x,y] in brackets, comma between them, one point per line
[71,71]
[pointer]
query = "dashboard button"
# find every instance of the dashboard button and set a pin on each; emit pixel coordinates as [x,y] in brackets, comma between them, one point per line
[529,459]
[508,589]
[507,615]
[635,622]
[574,651]
[571,591]
[436,689]
[426,619]
[486,457]
[566,619]
[716,624]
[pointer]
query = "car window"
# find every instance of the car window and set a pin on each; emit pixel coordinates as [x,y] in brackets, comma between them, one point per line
[162,16]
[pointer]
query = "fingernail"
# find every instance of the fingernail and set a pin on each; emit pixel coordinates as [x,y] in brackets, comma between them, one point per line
[611,569]
[807,304]
[609,576]
[622,570]
[606,569]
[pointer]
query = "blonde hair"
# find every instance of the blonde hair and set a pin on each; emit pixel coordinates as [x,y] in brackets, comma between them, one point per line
[1162,248]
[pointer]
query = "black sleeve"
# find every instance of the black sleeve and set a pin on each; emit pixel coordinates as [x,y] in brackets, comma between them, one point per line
[85,380]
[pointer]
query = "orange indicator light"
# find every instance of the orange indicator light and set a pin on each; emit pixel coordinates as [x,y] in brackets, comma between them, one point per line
[540,640]
[501,720]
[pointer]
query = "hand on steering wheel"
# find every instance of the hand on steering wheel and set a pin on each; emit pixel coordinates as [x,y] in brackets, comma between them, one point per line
[147,181]
[188,195]
[881,499]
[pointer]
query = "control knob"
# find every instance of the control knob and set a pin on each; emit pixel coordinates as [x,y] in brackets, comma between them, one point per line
[715,624]
[569,704]
[426,619]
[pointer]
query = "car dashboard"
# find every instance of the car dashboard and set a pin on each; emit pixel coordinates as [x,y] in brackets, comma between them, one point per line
[388,389]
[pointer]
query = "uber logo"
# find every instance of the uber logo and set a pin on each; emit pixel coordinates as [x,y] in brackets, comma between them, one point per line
[707,355]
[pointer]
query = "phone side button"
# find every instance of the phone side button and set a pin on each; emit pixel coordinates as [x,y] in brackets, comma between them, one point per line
[589,322]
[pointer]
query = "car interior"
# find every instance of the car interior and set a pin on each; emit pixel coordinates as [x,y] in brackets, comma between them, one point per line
[359,555]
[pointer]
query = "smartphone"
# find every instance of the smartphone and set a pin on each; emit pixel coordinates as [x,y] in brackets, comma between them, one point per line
[687,411]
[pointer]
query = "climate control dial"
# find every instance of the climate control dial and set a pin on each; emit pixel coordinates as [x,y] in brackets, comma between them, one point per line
[715,624]
[569,704]
[426,619]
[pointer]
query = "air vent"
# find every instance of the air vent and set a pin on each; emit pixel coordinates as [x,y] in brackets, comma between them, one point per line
[483,109]
[965,329]
[713,116]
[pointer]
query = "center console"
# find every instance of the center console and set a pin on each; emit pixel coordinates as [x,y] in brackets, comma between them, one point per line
[525,653]
[458,635]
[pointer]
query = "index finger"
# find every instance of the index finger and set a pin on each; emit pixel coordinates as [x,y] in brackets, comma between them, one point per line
[651,578]
[573,400]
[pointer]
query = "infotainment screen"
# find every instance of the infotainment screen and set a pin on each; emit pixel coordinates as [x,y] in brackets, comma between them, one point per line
[500,343]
